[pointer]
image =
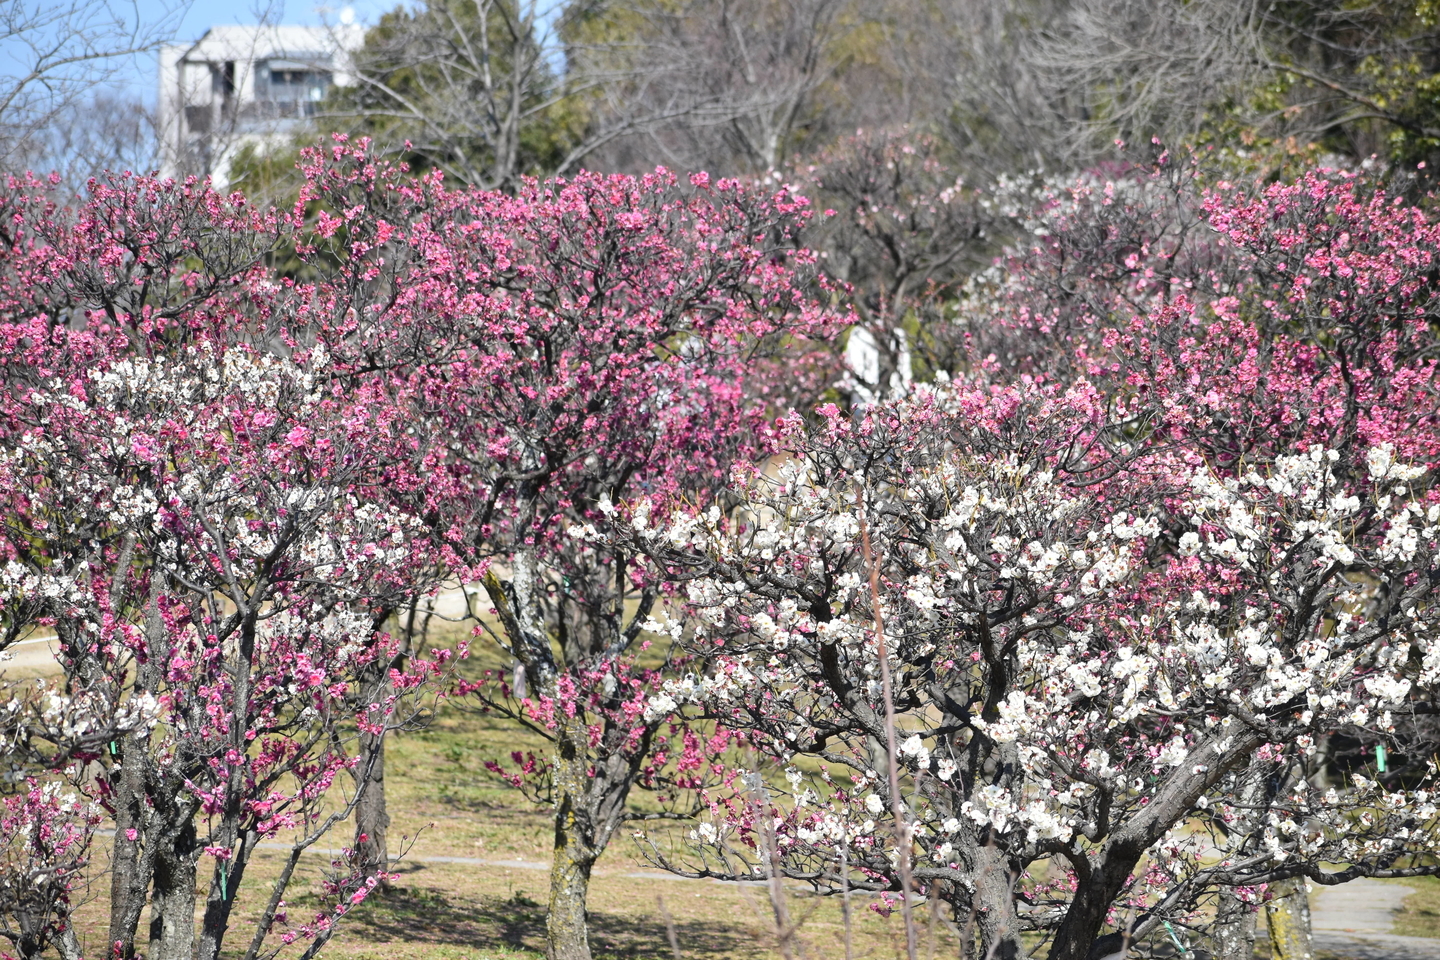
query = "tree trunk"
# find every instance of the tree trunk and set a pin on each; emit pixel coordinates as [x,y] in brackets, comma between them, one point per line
[1234,936]
[227,833]
[371,819]
[994,904]
[137,835]
[575,848]
[566,934]
[172,906]
[130,860]
[1288,913]
[566,937]
[1079,933]
[224,888]
[67,944]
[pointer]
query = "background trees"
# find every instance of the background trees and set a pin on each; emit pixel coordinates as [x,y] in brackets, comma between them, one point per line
[472,87]
[494,89]
[56,56]
[733,87]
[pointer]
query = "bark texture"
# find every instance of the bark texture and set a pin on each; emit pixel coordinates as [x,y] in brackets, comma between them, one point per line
[172,903]
[995,913]
[372,820]
[1288,913]
[141,826]
[567,937]
[1234,936]
[130,876]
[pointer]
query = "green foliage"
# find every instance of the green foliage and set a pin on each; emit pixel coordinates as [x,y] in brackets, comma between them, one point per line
[466,86]
[1354,79]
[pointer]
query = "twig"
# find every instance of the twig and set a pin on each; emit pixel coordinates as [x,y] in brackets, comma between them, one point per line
[897,808]
[845,893]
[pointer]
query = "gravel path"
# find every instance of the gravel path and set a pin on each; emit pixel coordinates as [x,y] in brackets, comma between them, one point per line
[1354,921]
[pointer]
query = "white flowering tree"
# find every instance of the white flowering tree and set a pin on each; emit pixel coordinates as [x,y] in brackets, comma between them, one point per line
[1078,682]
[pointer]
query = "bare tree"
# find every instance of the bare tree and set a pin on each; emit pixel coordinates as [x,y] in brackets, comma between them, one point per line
[904,233]
[107,131]
[1353,79]
[744,82]
[58,53]
[490,90]
[474,87]
[1137,69]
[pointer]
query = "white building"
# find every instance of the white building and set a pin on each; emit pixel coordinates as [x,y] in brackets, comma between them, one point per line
[242,85]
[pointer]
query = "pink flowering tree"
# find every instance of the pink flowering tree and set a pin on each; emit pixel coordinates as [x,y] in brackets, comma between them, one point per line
[570,345]
[48,824]
[45,837]
[199,515]
[1073,651]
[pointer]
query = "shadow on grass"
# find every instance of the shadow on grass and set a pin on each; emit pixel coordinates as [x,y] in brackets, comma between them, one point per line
[1420,914]
[413,914]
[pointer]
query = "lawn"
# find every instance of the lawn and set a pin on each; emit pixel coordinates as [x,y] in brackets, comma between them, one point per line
[1420,914]
[441,794]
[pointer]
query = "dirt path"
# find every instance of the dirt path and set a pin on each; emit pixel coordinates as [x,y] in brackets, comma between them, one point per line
[1354,921]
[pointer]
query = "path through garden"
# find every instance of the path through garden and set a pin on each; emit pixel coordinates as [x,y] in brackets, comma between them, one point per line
[1354,921]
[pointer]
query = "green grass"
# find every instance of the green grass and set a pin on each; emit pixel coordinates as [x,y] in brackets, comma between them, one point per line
[1420,914]
[439,791]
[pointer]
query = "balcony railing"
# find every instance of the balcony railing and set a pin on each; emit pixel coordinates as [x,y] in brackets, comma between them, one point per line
[278,109]
[205,119]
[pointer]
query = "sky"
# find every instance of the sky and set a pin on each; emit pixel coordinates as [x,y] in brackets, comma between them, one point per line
[203,14]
